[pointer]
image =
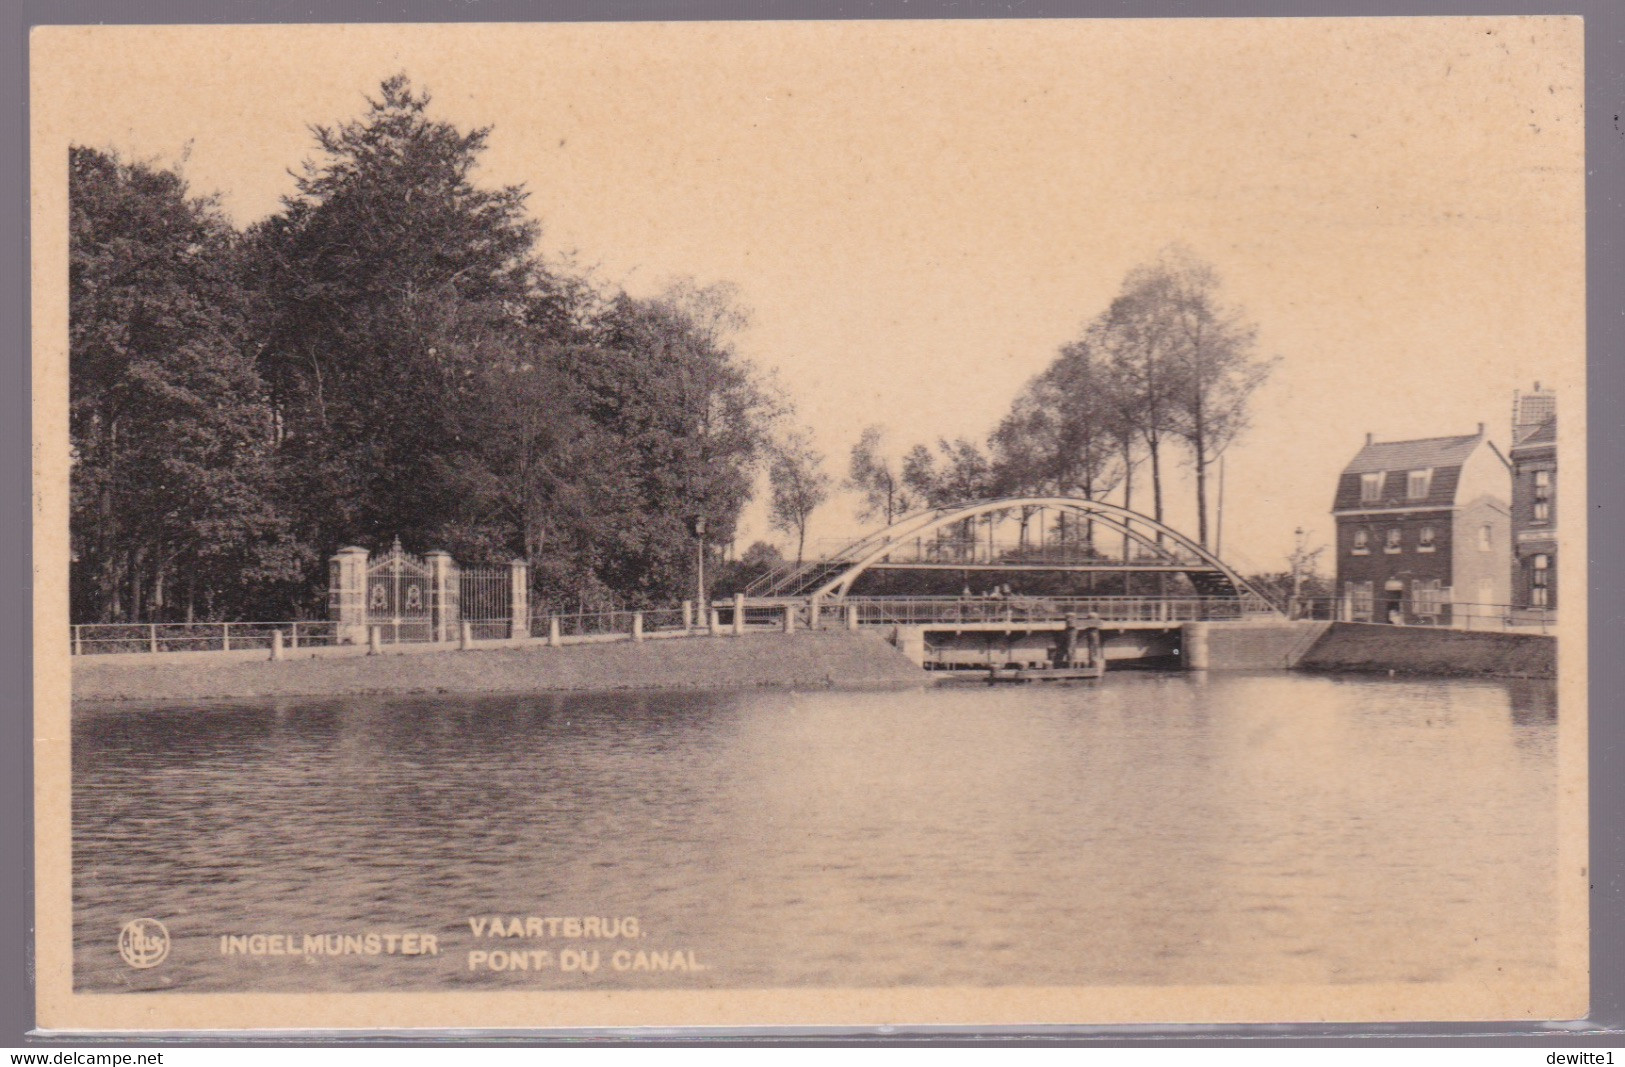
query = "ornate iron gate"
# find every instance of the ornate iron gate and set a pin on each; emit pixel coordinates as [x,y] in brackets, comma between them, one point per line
[400,590]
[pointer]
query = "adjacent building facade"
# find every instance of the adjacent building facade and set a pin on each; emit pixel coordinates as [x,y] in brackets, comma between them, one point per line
[1424,531]
[1534,500]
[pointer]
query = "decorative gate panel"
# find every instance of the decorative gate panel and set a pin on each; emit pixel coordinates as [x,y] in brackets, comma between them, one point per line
[486,600]
[400,589]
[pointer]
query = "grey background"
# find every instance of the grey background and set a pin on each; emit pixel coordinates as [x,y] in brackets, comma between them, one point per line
[1605,150]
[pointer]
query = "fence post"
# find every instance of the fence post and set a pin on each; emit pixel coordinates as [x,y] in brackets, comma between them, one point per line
[688,615]
[465,635]
[716,623]
[851,616]
[294,636]
[789,618]
[276,645]
[637,626]
[375,640]
[739,614]
[519,577]
[78,651]
[553,638]
[225,637]
[152,637]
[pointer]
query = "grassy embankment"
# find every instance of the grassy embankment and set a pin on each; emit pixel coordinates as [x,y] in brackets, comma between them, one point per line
[791,660]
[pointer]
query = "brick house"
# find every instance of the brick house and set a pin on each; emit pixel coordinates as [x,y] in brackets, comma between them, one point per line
[1424,531]
[1534,517]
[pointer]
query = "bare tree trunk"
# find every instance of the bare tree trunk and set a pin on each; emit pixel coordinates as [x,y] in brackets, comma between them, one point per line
[1201,501]
[1199,453]
[1156,484]
[1128,496]
[135,584]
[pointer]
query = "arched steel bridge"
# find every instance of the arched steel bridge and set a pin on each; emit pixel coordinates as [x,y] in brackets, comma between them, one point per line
[1051,533]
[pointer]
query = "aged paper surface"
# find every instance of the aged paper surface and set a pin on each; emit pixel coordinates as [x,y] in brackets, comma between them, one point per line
[918,214]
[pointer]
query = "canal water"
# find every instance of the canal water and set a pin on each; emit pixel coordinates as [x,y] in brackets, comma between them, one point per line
[1153,828]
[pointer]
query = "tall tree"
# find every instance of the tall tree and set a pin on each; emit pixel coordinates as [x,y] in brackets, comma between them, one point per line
[387,285]
[689,421]
[1136,338]
[1058,435]
[878,479]
[799,487]
[1215,367]
[958,473]
[172,487]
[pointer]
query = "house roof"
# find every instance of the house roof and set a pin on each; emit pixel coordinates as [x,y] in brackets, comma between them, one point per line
[1544,434]
[1443,455]
[1432,452]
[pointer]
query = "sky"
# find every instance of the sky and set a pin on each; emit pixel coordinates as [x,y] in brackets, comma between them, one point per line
[918,214]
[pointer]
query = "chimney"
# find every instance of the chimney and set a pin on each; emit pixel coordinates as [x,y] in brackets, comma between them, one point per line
[1368,437]
[1481,429]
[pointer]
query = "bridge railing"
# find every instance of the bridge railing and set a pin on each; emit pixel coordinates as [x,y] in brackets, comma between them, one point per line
[921,610]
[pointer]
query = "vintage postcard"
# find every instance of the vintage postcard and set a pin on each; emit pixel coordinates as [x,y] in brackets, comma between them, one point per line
[810,524]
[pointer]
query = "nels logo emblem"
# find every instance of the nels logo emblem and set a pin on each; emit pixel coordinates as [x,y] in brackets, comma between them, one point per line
[143,943]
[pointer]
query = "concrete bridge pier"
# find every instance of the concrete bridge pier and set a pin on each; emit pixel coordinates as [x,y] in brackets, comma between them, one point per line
[1193,646]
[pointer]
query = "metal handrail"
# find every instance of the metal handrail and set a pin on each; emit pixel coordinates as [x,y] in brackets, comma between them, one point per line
[1442,613]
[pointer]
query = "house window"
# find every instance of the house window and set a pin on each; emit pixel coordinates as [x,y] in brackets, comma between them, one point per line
[1426,597]
[1543,496]
[1417,484]
[1392,543]
[1424,539]
[1484,542]
[1362,541]
[1371,487]
[1540,581]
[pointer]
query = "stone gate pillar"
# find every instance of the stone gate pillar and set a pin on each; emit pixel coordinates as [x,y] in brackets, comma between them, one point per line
[519,598]
[347,595]
[442,595]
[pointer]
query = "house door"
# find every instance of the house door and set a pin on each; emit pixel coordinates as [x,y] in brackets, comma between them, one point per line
[1393,601]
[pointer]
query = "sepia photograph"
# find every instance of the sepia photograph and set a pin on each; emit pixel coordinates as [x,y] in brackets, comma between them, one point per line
[801,523]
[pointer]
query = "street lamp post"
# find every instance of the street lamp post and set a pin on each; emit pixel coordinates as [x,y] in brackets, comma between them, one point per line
[697,525]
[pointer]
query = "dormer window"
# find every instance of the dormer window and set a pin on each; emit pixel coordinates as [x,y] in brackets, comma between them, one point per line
[1418,484]
[1362,541]
[1371,487]
[1392,544]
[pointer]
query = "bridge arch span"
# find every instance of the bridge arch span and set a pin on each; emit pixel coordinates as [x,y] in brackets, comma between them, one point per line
[1161,543]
